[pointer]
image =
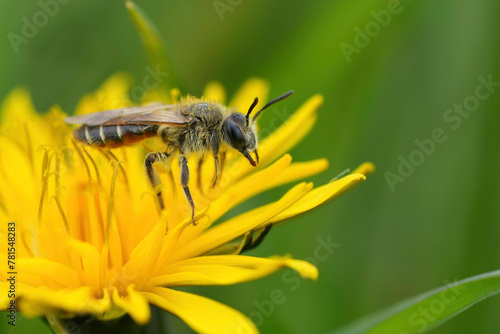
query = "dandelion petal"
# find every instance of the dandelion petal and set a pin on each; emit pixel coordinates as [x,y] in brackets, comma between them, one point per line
[202,314]
[228,269]
[134,304]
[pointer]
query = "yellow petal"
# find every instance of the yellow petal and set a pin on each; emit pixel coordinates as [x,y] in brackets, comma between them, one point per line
[37,301]
[17,181]
[170,243]
[304,268]
[239,225]
[277,174]
[112,94]
[215,91]
[245,95]
[291,132]
[17,108]
[246,188]
[115,247]
[134,304]
[149,248]
[366,169]
[202,314]
[40,271]
[89,258]
[227,269]
[4,294]
[20,122]
[319,196]
[297,171]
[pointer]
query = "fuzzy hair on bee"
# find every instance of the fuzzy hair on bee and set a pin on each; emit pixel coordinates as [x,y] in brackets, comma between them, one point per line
[191,127]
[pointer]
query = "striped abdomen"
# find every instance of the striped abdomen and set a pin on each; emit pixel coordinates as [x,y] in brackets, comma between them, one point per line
[114,135]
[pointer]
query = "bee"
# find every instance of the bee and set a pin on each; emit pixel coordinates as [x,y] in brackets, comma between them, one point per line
[190,127]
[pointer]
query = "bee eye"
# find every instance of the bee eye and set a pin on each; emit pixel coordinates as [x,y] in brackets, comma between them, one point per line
[234,133]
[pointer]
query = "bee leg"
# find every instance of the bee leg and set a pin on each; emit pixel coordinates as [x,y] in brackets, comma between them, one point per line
[215,148]
[152,174]
[217,171]
[222,161]
[185,183]
[200,183]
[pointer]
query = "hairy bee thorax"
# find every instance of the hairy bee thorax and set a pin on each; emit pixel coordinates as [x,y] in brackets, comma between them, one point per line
[202,130]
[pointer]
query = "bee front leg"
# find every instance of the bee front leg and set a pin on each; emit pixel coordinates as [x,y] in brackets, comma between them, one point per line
[185,183]
[152,174]
[215,151]
[200,183]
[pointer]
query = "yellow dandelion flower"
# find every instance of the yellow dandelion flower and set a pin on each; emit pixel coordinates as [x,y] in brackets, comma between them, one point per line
[89,238]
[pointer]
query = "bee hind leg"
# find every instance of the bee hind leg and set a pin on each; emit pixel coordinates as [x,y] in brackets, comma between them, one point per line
[185,183]
[153,176]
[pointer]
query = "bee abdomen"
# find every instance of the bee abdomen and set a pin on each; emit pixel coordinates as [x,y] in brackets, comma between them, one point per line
[114,135]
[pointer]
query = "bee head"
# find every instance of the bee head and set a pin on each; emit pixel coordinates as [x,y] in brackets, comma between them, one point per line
[240,132]
[240,135]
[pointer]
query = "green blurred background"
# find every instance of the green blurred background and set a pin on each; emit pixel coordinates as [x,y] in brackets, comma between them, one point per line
[441,224]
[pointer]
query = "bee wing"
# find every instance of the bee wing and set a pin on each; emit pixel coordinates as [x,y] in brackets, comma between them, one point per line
[150,114]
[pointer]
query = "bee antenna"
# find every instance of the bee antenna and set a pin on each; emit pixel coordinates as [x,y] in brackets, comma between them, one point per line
[270,103]
[251,108]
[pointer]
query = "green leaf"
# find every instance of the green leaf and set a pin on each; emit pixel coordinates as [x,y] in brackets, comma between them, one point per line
[426,311]
[151,40]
